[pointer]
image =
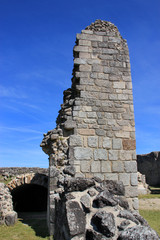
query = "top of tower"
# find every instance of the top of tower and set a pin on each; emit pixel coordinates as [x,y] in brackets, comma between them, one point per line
[102,26]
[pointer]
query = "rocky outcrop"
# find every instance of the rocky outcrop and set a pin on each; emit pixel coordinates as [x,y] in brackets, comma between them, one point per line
[7,215]
[149,165]
[95,209]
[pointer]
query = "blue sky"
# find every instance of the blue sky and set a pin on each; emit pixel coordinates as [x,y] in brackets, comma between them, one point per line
[36,60]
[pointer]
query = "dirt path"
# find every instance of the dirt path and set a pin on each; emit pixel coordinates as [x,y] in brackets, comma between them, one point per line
[149,204]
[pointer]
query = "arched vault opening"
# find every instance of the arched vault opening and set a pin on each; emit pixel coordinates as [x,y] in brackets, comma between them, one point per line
[29,198]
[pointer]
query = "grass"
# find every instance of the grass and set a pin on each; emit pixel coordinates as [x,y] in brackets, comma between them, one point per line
[34,229]
[149,196]
[153,218]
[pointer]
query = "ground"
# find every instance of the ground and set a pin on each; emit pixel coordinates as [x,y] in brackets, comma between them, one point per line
[149,204]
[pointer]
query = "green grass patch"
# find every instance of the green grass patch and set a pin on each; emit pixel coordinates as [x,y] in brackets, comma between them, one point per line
[153,218]
[32,230]
[149,196]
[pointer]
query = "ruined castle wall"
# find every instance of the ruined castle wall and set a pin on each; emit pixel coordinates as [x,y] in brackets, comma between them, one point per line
[103,143]
[95,130]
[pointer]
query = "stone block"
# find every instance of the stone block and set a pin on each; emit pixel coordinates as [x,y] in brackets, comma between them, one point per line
[87,108]
[113,155]
[93,141]
[84,68]
[111,176]
[134,179]
[122,97]
[107,143]
[100,154]
[75,218]
[81,49]
[84,55]
[117,143]
[90,37]
[86,132]
[117,166]
[100,132]
[91,115]
[129,144]
[125,178]
[119,85]
[83,153]
[109,51]
[106,166]
[95,166]
[86,81]
[85,166]
[84,43]
[80,61]
[126,155]
[97,68]
[130,166]
[122,134]
[131,191]
[82,114]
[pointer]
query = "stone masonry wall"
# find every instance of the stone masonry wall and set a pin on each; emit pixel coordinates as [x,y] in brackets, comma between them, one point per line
[95,130]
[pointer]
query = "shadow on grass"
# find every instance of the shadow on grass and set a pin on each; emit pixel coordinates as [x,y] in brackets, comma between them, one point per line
[155,190]
[37,221]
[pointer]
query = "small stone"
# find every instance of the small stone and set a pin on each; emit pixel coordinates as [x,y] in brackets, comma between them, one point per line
[91,192]
[93,235]
[11,218]
[86,202]
[70,170]
[105,198]
[123,225]
[114,187]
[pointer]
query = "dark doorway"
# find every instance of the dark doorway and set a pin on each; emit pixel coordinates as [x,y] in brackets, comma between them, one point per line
[29,198]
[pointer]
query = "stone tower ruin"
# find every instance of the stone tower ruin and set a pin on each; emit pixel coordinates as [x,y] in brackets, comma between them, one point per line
[95,133]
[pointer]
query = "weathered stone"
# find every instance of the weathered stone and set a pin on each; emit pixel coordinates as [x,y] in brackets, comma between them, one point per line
[129,144]
[86,202]
[83,153]
[100,154]
[75,218]
[105,223]
[78,184]
[114,187]
[11,218]
[75,141]
[124,224]
[107,143]
[93,141]
[128,215]
[138,232]
[70,170]
[93,235]
[105,198]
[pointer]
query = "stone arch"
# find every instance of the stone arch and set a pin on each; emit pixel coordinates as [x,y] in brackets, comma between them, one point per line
[28,178]
[29,192]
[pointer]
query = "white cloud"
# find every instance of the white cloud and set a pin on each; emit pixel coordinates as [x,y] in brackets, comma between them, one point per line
[11,92]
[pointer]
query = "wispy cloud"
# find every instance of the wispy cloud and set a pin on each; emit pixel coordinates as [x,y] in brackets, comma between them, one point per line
[20,129]
[11,92]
